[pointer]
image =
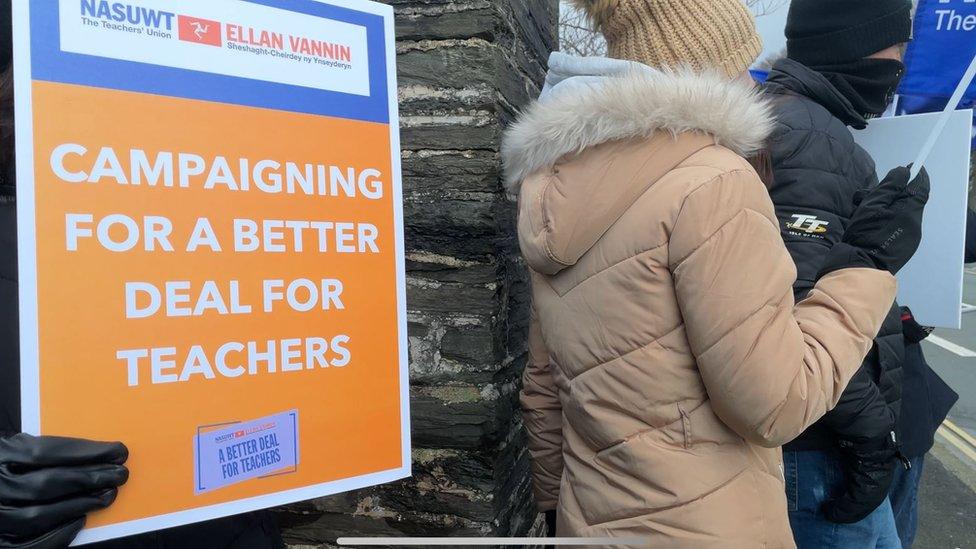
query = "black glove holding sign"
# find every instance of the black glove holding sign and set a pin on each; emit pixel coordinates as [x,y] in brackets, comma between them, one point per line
[886,227]
[49,484]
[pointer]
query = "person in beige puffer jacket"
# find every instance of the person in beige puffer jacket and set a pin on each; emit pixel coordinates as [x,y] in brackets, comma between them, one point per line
[668,361]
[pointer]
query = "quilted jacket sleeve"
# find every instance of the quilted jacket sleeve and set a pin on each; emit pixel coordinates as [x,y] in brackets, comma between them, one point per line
[861,416]
[542,415]
[771,368]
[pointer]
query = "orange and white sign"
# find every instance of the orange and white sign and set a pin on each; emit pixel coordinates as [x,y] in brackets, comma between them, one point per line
[211,249]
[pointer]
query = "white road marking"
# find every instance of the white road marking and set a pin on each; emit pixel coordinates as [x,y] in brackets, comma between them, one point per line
[951,347]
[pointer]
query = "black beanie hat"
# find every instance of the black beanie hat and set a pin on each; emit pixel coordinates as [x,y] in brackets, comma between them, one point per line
[826,32]
[6,31]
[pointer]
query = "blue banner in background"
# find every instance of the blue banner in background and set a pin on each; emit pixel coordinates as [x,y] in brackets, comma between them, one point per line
[941,49]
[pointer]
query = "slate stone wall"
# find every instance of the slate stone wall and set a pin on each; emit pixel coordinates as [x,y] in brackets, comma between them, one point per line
[465,68]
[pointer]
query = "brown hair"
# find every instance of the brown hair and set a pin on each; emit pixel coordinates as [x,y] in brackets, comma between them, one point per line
[762,162]
[6,116]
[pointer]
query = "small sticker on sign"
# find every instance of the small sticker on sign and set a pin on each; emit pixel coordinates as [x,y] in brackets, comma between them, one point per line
[227,454]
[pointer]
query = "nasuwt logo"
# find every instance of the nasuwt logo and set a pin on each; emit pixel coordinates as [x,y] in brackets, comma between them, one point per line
[126,17]
[808,224]
[225,437]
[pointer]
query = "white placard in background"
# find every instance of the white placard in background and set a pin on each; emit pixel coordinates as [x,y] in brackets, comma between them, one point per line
[931,283]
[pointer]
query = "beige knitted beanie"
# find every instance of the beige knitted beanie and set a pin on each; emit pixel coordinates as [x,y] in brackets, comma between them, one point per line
[718,34]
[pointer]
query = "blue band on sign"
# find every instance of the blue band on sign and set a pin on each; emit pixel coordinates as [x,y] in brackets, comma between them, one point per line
[242,451]
[50,63]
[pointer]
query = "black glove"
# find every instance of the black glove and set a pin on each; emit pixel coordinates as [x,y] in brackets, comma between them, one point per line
[911,329]
[869,470]
[49,484]
[551,524]
[886,227]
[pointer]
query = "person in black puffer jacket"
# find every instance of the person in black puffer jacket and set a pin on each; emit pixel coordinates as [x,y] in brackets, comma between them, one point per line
[30,516]
[926,402]
[839,470]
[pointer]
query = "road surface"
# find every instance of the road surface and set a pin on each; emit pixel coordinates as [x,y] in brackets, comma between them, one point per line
[947,514]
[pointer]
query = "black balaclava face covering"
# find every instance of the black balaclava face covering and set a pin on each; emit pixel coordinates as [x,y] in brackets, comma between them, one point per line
[869,84]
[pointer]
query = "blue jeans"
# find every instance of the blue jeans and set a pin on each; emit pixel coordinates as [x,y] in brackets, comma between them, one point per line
[904,500]
[813,478]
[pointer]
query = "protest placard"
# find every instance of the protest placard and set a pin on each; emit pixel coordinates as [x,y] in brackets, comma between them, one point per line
[931,283]
[210,247]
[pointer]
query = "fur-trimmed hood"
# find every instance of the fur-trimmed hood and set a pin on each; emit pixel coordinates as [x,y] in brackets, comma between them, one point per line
[589,101]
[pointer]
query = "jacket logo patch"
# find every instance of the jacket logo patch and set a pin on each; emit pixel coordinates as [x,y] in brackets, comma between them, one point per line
[807,225]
